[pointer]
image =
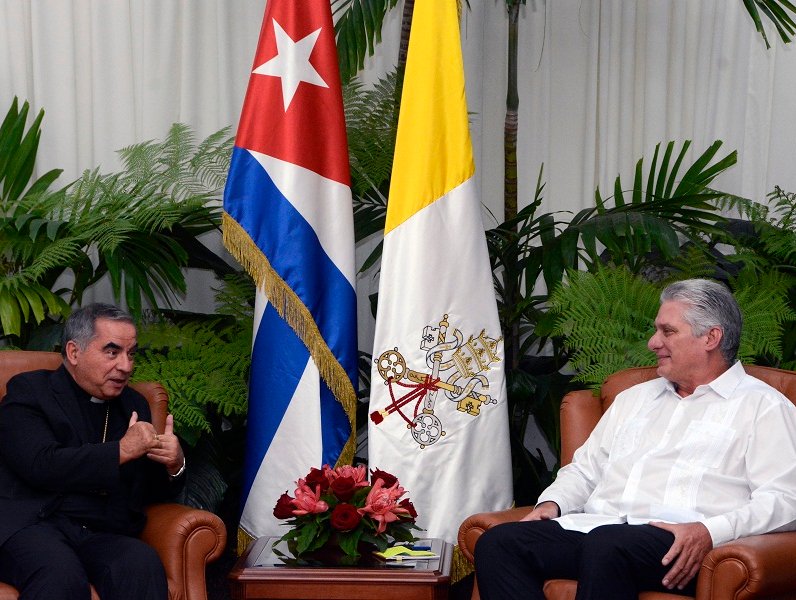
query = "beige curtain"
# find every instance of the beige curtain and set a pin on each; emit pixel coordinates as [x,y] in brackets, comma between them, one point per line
[601,82]
[113,72]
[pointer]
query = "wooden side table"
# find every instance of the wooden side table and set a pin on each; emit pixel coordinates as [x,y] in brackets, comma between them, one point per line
[261,575]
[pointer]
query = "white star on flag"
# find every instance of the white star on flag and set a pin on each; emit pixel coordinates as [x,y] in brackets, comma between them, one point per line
[292,63]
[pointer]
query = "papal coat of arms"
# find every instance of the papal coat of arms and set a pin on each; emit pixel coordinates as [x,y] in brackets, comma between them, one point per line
[455,367]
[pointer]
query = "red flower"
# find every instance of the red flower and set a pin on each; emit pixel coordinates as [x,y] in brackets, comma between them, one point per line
[284,507]
[343,488]
[388,478]
[317,477]
[327,501]
[407,504]
[344,517]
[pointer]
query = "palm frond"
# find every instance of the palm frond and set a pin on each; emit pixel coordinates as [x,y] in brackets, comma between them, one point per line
[660,208]
[22,300]
[780,12]
[357,29]
[18,149]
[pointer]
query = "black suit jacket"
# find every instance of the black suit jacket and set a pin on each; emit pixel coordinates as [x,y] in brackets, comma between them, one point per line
[48,461]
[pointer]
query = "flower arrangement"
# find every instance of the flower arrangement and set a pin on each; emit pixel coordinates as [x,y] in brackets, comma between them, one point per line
[340,506]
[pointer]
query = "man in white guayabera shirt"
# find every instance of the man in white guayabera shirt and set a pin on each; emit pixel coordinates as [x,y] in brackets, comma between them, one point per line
[700,456]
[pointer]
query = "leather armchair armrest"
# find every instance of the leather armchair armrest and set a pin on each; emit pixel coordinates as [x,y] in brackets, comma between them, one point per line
[186,539]
[473,526]
[758,566]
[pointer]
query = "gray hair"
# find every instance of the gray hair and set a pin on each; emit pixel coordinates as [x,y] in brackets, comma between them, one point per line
[80,326]
[710,304]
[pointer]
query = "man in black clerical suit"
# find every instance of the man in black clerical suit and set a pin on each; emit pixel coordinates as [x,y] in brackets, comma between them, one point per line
[79,459]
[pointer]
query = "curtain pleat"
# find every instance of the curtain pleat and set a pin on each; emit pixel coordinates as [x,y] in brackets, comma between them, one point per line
[600,83]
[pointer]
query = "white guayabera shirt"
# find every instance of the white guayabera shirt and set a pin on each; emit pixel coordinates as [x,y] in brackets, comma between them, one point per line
[724,456]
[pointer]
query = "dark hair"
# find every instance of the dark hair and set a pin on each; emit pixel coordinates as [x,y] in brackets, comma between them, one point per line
[80,326]
[710,304]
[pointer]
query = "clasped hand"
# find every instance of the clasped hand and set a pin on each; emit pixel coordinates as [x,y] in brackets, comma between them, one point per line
[141,439]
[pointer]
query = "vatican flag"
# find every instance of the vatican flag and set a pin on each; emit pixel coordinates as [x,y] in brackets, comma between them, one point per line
[438,418]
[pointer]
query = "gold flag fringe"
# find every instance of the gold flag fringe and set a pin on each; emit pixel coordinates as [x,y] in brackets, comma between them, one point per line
[460,566]
[244,539]
[290,307]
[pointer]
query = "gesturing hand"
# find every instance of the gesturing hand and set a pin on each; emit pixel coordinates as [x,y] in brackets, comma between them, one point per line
[139,438]
[692,542]
[167,450]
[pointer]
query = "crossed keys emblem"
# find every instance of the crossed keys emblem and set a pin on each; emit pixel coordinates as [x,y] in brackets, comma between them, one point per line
[460,363]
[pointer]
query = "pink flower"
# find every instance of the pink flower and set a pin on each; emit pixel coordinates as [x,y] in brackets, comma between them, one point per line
[358,474]
[381,505]
[307,501]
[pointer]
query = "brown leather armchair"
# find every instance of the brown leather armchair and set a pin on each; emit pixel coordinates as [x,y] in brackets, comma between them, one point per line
[186,539]
[759,566]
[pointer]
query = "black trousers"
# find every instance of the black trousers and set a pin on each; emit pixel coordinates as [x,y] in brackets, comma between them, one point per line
[56,559]
[612,562]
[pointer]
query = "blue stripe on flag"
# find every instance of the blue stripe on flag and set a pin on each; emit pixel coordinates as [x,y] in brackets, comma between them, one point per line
[295,253]
[279,359]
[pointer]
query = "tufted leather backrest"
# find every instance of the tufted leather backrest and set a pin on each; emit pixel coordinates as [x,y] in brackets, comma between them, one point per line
[13,362]
[581,410]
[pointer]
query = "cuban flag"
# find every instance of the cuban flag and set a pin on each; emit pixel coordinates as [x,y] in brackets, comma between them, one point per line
[288,220]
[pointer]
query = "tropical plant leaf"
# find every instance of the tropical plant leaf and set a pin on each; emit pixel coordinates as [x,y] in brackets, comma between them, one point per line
[605,318]
[780,12]
[666,207]
[764,314]
[138,226]
[357,29]
[22,300]
[371,129]
[204,365]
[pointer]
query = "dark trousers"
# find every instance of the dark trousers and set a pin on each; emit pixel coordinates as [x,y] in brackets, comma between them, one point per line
[57,559]
[612,562]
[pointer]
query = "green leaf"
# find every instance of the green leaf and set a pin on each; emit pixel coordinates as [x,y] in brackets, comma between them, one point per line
[9,313]
[306,539]
[349,541]
[357,30]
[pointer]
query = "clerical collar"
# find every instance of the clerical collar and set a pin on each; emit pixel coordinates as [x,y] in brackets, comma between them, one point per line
[97,400]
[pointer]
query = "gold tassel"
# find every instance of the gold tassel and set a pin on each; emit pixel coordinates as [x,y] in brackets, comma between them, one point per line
[460,566]
[244,539]
[290,307]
